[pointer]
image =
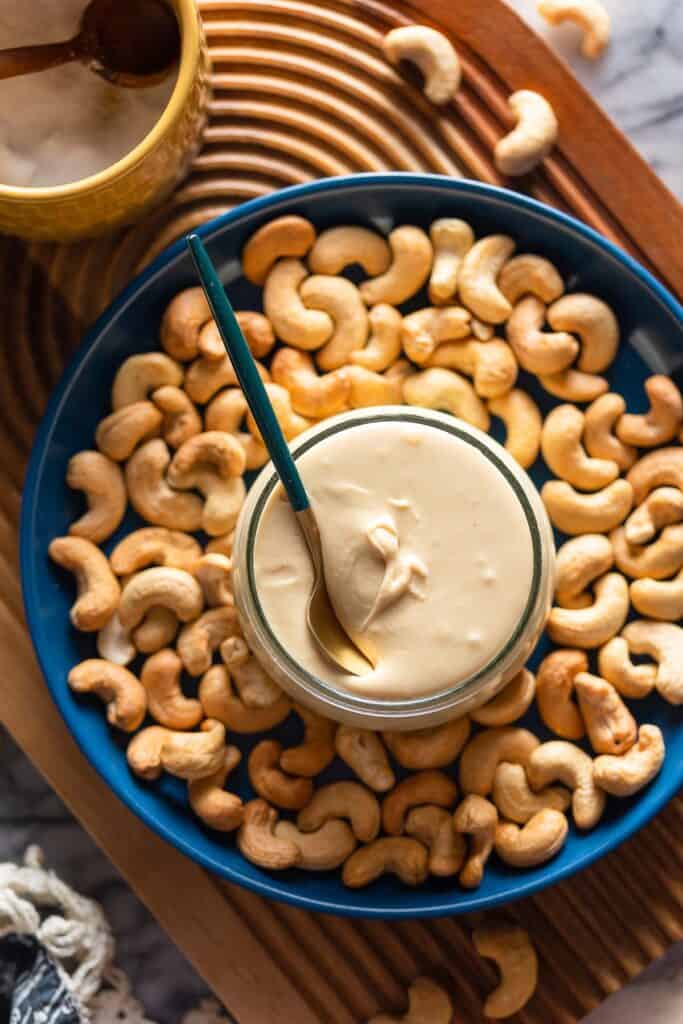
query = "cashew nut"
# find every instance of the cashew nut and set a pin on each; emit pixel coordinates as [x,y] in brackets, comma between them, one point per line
[433,826]
[213,463]
[341,247]
[256,689]
[151,495]
[256,328]
[427,1004]
[565,455]
[154,545]
[273,784]
[200,638]
[166,701]
[411,264]
[492,364]
[658,560]
[396,855]
[523,424]
[663,420]
[610,725]
[98,588]
[118,435]
[555,689]
[114,642]
[477,818]
[532,138]
[160,586]
[181,421]
[144,752]
[590,15]
[316,752]
[599,622]
[432,53]
[658,600]
[536,842]
[437,388]
[538,351]
[288,236]
[368,388]
[187,755]
[559,761]
[663,641]
[214,573]
[347,800]
[182,321]
[322,850]
[656,469]
[256,839]
[530,275]
[477,278]
[312,395]
[576,513]
[157,630]
[631,772]
[427,328]
[434,747]
[226,412]
[600,442]
[578,564]
[292,321]
[662,507]
[207,376]
[116,686]
[220,702]
[222,545]
[484,753]
[432,787]
[594,322]
[291,422]
[574,386]
[209,800]
[615,665]
[517,802]
[510,948]
[480,330]
[384,344]
[510,704]
[102,483]
[341,300]
[363,752]
[139,375]
[452,239]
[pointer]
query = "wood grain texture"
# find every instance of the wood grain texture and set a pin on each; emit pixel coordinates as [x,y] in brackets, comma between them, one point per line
[301,91]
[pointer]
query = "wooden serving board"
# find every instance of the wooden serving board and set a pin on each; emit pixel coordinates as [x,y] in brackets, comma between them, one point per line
[301,91]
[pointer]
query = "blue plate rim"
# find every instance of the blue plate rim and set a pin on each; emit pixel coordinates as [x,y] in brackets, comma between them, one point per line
[467,901]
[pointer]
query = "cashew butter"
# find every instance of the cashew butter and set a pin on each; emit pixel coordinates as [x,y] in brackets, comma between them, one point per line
[429,552]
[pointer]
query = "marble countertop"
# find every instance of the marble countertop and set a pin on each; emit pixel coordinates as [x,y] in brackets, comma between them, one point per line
[640,84]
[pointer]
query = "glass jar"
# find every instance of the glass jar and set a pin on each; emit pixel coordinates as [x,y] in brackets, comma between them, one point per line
[406,714]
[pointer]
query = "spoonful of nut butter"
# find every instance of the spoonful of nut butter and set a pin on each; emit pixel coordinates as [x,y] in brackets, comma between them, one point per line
[131,43]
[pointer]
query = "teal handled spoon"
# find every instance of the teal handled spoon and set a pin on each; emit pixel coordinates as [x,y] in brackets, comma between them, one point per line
[325,627]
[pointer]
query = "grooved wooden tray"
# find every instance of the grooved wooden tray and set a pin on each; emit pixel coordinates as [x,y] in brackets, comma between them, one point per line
[301,91]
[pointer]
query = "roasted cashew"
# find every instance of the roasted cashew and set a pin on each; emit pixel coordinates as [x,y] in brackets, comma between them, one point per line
[347,800]
[347,245]
[484,753]
[432,787]
[433,55]
[256,689]
[663,641]
[98,588]
[341,300]
[213,463]
[657,561]
[523,424]
[510,948]
[600,442]
[452,239]
[163,587]
[256,839]
[559,761]
[574,386]
[427,1004]
[151,495]
[434,747]
[214,573]
[510,704]
[181,323]
[291,423]
[410,267]
[615,665]
[144,752]
[199,639]
[316,752]
[157,630]
[575,513]
[555,689]
[657,599]
[477,278]
[662,507]
[181,421]
[492,364]
[187,755]
[384,344]
[209,800]
[118,688]
[631,772]
[363,752]
[205,377]
[590,15]
[538,351]
[528,274]
[166,701]
[118,435]
[102,483]
[437,388]
[288,236]
[536,842]
[433,826]
[139,375]
[532,138]
[114,643]
[368,388]
[610,725]
[220,702]
[663,420]
[322,850]
[565,455]
[312,395]
[154,545]
[656,469]
[273,784]
[396,855]
[517,802]
[578,564]
[425,329]
[475,817]
[225,412]
[256,328]
[599,622]
[594,322]
[292,321]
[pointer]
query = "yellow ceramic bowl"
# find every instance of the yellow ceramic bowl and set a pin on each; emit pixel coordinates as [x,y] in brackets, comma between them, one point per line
[141,179]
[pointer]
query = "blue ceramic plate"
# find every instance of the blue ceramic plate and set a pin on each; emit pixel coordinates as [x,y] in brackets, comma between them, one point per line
[652,339]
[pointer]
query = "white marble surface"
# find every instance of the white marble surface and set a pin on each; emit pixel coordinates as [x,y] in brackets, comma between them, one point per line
[640,83]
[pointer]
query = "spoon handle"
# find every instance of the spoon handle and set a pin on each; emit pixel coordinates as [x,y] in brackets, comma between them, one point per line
[25,60]
[247,374]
